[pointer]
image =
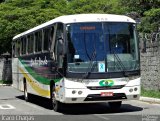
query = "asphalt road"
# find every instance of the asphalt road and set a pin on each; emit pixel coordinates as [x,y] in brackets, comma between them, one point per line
[14,108]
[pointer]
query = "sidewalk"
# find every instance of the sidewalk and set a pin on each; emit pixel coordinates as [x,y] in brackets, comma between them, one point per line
[8,92]
[150,99]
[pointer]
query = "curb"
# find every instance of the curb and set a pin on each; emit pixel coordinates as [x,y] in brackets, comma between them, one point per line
[149,99]
[5,84]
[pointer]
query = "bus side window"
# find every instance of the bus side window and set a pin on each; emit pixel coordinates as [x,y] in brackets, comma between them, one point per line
[23,45]
[18,47]
[36,42]
[52,41]
[38,39]
[46,39]
[51,37]
[30,43]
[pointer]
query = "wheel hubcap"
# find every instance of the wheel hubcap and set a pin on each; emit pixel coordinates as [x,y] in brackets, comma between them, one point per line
[53,99]
[25,92]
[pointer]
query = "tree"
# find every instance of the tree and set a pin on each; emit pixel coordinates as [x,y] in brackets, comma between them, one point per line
[147,9]
[139,6]
[20,15]
[150,21]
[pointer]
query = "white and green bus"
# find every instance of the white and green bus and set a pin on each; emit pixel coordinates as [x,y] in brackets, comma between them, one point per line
[85,58]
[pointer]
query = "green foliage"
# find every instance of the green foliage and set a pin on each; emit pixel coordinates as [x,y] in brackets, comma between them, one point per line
[5,82]
[150,21]
[139,6]
[148,10]
[20,15]
[94,6]
[150,93]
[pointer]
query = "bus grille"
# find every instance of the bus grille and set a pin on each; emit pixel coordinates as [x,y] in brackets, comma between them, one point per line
[98,97]
[105,87]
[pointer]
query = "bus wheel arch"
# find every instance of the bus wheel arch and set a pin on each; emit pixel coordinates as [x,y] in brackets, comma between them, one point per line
[56,105]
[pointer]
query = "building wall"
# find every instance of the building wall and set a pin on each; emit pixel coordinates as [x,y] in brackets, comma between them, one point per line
[150,64]
[1,68]
[5,70]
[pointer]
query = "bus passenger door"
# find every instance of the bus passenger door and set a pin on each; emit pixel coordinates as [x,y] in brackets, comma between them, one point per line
[59,43]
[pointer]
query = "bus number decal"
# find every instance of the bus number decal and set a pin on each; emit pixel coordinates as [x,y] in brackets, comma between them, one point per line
[39,62]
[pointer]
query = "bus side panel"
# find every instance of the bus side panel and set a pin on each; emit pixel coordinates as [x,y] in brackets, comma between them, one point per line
[37,71]
[15,73]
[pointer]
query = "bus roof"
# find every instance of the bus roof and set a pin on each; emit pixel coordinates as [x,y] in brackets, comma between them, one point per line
[66,19]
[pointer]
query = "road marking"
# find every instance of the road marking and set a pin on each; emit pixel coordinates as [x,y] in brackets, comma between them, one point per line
[102,117]
[6,106]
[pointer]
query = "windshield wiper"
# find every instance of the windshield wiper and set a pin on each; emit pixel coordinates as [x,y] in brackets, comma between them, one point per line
[121,64]
[91,63]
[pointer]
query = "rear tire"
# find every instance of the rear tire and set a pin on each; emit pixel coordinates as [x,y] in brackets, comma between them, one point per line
[115,105]
[56,105]
[26,95]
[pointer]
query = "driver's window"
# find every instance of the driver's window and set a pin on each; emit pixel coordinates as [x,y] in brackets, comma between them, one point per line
[59,45]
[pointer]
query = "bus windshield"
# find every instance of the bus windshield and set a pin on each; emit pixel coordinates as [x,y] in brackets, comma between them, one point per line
[102,47]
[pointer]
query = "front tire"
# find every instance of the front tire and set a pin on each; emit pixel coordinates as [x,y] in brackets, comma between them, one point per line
[56,105]
[115,105]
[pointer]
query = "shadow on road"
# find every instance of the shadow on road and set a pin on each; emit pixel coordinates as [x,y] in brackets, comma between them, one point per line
[82,109]
[37,100]
[97,108]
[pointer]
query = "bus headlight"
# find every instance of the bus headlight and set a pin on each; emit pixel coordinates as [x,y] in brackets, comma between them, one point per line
[79,92]
[131,90]
[135,89]
[74,91]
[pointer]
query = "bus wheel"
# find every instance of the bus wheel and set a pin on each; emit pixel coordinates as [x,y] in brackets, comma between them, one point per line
[115,105]
[55,104]
[26,95]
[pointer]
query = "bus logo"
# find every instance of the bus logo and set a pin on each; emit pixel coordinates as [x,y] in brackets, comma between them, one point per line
[106,83]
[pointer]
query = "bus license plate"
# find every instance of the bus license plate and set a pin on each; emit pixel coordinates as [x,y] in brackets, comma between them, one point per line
[106,94]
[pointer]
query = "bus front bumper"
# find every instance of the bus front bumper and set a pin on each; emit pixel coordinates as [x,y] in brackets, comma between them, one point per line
[93,96]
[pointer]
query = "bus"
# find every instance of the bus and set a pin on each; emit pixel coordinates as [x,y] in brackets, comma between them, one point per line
[82,58]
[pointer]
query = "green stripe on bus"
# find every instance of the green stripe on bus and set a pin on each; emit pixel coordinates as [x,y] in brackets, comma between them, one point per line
[36,76]
[56,80]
